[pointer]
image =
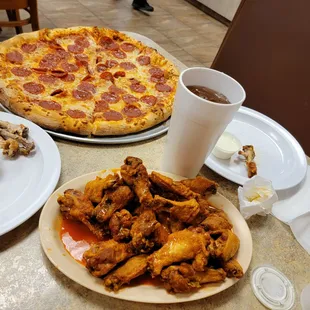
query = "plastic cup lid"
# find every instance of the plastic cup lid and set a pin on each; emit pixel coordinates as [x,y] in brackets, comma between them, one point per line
[272,288]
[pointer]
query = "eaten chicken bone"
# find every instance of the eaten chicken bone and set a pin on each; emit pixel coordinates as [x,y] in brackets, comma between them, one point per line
[13,139]
[249,154]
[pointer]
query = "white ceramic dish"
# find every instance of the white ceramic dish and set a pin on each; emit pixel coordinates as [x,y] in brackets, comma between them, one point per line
[55,251]
[279,157]
[27,182]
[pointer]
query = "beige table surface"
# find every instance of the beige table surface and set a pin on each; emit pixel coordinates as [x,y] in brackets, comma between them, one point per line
[29,281]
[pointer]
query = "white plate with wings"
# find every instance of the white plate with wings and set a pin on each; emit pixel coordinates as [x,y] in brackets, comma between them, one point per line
[54,249]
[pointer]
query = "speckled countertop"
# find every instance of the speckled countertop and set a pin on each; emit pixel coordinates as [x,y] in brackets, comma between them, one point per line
[29,281]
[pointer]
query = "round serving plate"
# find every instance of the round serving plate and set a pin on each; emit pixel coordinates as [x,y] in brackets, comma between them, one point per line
[27,181]
[279,157]
[57,254]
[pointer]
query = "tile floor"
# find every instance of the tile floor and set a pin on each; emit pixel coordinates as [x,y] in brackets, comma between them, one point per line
[186,32]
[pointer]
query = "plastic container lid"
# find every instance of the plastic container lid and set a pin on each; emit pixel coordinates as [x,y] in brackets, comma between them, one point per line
[272,288]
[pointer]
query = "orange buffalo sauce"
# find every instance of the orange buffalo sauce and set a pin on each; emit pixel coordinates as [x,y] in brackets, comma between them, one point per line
[77,238]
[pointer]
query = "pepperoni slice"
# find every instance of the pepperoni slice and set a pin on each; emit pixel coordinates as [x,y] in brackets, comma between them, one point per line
[98,59]
[75,49]
[144,60]
[134,81]
[119,54]
[49,61]
[34,88]
[28,48]
[18,71]
[87,78]
[163,87]
[86,86]
[48,79]
[81,59]
[76,113]
[110,97]
[62,54]
[39,70]
[68,78]
[82,42]
[101,67]
[50,105]
[108,44]
[156,71]
[132,111]
[127,65]
[158,79]
[130,98]
[149,99]
[59,92]
[81,95]
[59,73]
[15,57]
[119,74]
[112,115]
[111,63]
[69,67]
[107,76]
[127,47]
[116,90]
[101,106]
[138,88]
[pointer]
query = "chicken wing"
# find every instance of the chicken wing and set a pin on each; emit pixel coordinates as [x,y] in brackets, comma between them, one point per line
[133,268]
[249,155]
[120,224]
[142,229]
[184,211]
[94,189]
[102,257]
[216,222]
[183,278]
[224,244]
[167,184]
[201,185]
[135,175]
[112,201]
[181,246]
[76,206]
[233,269]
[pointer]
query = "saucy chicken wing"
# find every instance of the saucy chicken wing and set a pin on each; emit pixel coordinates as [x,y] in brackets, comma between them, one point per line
[216,222]
[183,278]
[133,268]
[76,206]
[102,257]
[201,185]
[112,201]
[120,224]
[181,246]
[233,269]
[225,245]
[142,229]
[135,175]
[94,189]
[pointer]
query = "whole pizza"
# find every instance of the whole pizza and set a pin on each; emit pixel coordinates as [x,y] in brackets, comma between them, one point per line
[86,80]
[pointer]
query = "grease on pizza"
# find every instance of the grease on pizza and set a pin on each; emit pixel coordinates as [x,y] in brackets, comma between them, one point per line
[86,80]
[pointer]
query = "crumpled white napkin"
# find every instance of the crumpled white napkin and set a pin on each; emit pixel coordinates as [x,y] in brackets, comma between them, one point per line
[256,197]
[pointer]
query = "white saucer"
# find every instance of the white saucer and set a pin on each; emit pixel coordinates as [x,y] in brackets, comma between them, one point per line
[27,182]
[279,157]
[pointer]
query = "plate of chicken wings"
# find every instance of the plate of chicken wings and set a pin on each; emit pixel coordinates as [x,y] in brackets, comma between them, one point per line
[145,236]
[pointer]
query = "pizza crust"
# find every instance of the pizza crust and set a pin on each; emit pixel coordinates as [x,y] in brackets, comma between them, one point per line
[16,101]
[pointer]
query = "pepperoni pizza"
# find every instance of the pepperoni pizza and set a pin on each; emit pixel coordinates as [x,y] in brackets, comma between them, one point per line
[86,80]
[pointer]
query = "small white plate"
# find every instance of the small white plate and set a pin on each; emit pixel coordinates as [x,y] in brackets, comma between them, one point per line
[27,182]
[55,251]
[279,157]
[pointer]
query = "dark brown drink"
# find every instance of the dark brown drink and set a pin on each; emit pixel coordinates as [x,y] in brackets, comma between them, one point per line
[208,94]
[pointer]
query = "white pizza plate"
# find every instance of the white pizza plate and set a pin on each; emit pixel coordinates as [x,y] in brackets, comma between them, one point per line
[27,182]
[55,251]
[279,157]
[130,138]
